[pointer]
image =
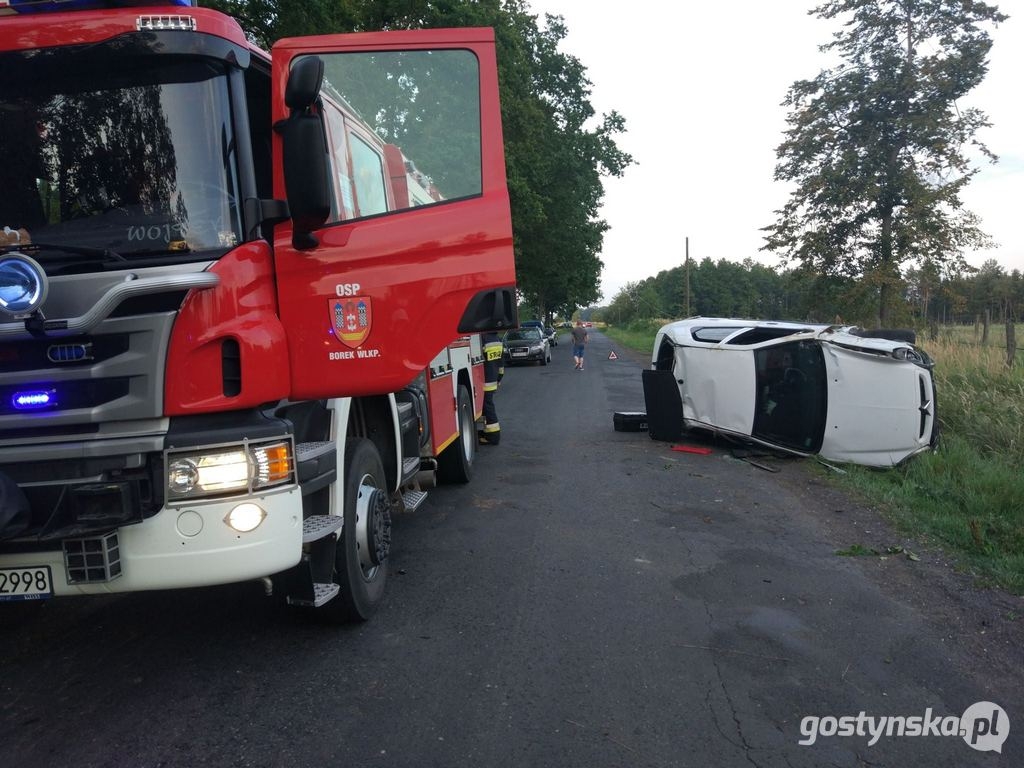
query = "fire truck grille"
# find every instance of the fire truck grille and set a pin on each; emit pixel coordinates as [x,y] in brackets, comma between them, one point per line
[92,560]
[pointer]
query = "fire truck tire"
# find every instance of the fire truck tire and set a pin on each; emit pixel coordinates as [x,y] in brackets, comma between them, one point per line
[455,464]
[361,566]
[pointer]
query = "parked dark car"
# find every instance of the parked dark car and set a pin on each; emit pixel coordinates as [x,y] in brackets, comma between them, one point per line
[527,345]
[552,336]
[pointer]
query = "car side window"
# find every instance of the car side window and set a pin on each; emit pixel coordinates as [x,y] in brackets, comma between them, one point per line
[792,395]
[758,335]
[714,334]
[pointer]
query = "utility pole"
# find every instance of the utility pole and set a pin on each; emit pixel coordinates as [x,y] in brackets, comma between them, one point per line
[688,277]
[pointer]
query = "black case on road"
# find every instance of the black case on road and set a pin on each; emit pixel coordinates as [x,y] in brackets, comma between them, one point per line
[630,421]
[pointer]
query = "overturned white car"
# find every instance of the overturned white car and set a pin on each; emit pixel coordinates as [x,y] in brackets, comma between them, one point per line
[846,394]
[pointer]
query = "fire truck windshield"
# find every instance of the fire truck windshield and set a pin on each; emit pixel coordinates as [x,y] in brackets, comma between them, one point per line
[140,161]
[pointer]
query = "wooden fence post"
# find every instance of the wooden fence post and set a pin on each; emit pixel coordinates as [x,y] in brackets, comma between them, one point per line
[984,328]
[1011,341]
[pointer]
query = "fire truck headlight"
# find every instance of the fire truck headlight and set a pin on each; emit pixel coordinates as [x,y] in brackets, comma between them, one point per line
[245,517]
[228,470]
[182,477]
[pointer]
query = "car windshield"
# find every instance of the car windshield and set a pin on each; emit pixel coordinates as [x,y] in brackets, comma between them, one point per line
[137,159]
[524,334]
[792,395]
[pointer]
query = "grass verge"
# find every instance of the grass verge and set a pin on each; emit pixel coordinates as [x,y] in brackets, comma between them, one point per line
[638,335]
[969,503]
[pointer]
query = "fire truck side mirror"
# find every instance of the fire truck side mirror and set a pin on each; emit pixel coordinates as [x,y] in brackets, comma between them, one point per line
[492,310]
[304,82]
[304,152]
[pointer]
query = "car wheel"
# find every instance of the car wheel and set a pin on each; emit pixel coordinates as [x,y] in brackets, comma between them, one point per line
[455,464]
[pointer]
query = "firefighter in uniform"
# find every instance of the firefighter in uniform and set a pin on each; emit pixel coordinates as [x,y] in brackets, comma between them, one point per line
[494,369]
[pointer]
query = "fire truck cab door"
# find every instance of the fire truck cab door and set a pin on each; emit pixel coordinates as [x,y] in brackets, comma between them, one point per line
[418,240]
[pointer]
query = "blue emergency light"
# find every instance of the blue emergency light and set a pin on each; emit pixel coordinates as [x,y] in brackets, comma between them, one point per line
[34,399]
[51,6]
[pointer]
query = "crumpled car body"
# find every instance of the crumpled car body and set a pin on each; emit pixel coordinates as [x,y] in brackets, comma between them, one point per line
[835,391]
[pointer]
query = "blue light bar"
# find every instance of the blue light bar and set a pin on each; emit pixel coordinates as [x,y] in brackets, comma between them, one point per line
[51,6]
[34,399]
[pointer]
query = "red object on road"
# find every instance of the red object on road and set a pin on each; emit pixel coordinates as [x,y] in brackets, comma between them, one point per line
[691,449]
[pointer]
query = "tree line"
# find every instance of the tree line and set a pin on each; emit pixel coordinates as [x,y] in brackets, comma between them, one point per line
[753,290]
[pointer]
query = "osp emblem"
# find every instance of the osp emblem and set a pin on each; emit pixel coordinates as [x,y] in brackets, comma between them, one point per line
[351,318]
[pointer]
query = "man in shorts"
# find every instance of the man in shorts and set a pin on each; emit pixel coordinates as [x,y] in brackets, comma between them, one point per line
[579,342]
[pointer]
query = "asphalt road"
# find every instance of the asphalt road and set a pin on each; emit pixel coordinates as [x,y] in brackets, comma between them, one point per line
[592,598]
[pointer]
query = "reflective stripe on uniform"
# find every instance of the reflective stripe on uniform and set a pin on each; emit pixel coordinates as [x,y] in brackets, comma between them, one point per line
[490,386]
[493,350]
[492,427]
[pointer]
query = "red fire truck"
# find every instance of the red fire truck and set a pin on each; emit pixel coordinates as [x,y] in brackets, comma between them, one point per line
[238,322]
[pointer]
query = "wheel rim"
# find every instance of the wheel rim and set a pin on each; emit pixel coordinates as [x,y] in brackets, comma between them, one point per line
[467,432]
[373,526]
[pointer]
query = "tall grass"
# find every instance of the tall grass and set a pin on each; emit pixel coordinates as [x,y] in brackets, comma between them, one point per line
[981,400]
[968,495]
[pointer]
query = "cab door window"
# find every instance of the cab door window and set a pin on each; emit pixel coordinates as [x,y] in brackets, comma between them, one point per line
[368,178]
[342,203]
[404,129]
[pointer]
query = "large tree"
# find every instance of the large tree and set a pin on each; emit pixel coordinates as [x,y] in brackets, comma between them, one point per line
[879,147]
[556,149]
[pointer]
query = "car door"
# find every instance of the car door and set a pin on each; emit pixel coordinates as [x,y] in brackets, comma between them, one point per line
[385,286]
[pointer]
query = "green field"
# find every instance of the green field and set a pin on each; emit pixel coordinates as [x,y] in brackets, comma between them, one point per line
[968,496]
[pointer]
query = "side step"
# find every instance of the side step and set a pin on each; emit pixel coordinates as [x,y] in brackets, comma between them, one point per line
[412,500]
[410,467]
[322,593]
[316,465]
[319,526]
[307,588]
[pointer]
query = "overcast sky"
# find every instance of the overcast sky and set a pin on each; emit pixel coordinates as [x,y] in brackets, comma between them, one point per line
[700,86]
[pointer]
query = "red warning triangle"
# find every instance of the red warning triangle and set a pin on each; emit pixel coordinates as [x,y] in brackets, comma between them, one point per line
[612,355]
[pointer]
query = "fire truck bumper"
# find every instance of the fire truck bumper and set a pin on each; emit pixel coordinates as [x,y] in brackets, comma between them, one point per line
[183,546]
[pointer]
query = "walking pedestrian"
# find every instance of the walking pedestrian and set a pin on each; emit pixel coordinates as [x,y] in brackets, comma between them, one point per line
[579,343]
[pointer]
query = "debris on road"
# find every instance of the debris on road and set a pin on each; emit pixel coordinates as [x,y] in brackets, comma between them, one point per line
[692,449]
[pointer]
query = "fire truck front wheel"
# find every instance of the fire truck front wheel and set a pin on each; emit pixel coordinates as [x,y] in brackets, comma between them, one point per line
[361,565]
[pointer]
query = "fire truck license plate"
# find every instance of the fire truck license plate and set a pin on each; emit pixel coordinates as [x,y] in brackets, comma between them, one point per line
[31,582]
